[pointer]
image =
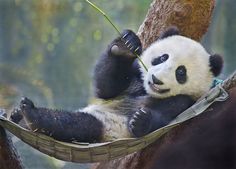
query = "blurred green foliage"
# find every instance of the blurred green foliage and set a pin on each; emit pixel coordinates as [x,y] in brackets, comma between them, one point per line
[48,49]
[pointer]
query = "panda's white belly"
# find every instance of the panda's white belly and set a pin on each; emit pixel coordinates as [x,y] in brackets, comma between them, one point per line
[114,118]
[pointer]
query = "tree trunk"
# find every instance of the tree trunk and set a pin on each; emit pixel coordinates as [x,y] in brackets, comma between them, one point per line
[8,156]
[192,17]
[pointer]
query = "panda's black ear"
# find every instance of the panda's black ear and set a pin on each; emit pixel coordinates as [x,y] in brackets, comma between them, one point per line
[216,64]
[170,31]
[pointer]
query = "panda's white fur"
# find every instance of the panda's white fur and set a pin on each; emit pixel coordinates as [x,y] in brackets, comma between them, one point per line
[113,115]
[181,51]
[115,124]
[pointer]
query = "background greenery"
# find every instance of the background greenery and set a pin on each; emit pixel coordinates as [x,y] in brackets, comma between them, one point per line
[48,49]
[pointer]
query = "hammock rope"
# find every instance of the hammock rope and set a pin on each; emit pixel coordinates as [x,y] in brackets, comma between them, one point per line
[87,153]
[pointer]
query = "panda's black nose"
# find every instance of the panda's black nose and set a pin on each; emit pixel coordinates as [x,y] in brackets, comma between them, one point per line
[156,81]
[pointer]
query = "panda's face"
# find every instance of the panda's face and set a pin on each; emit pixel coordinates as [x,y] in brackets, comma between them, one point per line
[176,65]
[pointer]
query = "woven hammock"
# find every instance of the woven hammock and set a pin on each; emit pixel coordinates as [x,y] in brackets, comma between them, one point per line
[87,153]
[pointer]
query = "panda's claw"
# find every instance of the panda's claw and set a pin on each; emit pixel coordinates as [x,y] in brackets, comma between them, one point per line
[136,49]
[135,116]
[126,42]
[124,36]
[129,45]
[138,114]
[131,48]
[143,111]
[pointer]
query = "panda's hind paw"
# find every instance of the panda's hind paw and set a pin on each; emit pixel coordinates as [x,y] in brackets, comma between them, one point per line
[16,115]
[140,123]
[26,104]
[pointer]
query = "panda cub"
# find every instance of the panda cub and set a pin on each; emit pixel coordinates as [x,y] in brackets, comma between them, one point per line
[132,101]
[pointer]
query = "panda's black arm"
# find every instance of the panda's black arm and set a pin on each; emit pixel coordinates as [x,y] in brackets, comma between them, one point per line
[157,113]
[61,125]
[167,109]
[114,71]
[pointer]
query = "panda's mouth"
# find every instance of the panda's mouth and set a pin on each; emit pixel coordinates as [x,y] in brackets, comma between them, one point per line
[156,88]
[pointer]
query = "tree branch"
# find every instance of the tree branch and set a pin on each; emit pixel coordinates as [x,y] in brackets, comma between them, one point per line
[8,156]
[190,16]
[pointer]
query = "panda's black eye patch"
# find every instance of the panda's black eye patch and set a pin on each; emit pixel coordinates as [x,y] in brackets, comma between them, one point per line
[181,74]
[160,59]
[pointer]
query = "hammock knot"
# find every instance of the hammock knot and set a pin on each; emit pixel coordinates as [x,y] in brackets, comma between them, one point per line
[218,93]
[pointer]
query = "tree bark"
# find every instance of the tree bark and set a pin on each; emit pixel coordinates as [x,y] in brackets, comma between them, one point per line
[192,17]
[8,155]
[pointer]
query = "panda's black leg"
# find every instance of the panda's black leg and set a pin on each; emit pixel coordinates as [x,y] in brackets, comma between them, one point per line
[62,125]
[113,71]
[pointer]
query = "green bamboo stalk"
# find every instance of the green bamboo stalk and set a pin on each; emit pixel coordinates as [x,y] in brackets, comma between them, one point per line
[105,15]
[117,30]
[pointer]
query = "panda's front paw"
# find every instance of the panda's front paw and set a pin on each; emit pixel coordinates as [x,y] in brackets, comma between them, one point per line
[26,105]
[127,45]
[140,123]
[132,41]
